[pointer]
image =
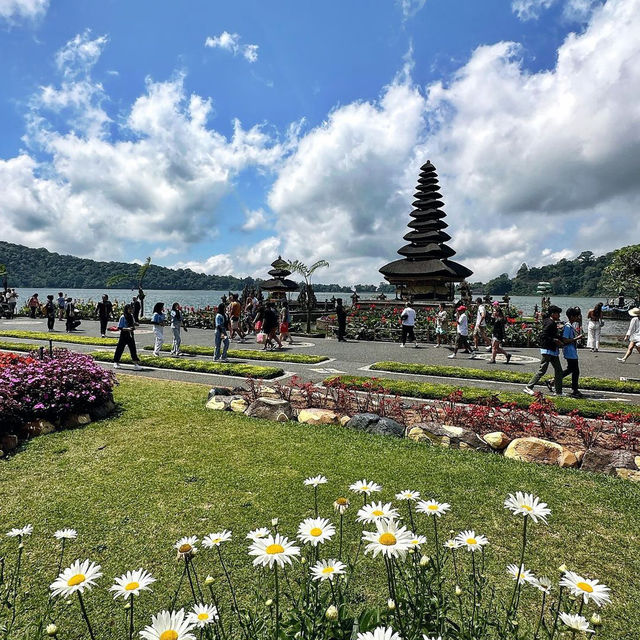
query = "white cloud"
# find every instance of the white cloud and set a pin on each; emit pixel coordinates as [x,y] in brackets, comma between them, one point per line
[254,220]
[13,10]
[231,42]
[574,10]
[530,9]
[411,7]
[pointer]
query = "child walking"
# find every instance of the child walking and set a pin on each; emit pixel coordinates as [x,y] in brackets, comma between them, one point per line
[570,352]
[157,320]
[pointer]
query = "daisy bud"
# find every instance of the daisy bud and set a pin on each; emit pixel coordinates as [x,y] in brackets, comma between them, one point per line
[127,605]
[303,560]
[562,568]
[458,590]
[274,522]
[412,550]
[391,605]
[596,620]
[268,602]
[208,580]
[424,561]
[331,613]
[52,630]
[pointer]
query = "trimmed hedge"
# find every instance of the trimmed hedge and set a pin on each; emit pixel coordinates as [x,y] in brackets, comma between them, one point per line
[477,395]
[219,368]
[595,384]
[248,354]
[20,346]
[61,337]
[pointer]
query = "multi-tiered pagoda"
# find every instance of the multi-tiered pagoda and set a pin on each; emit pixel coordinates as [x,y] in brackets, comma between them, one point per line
[425,272]
[279,285]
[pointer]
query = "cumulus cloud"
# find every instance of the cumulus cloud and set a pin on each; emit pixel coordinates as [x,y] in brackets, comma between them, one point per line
[159,179]
[231,42]
[254,220]
[15,10]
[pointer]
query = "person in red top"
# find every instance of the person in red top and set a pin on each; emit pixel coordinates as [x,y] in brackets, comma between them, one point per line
[235,309]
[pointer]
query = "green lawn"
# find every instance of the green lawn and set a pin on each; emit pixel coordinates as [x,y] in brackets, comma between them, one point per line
[165,467]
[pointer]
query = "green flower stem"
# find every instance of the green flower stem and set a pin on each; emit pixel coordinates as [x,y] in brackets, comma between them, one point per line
[231,589]
[131,617]
[537,631]
[277,602]
[175,595]
[513,609]
[437,545]
[218,622]
[315,500]
[85,616]
[341,532]
[413,526]
[557,615]
[193,590]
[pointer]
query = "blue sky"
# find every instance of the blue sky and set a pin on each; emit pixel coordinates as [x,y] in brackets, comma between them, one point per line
[217,135]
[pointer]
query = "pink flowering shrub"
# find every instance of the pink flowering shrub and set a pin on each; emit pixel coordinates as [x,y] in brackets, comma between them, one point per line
[50,388]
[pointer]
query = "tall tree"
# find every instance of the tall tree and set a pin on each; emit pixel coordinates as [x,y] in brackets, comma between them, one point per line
[623,273]
[306,272]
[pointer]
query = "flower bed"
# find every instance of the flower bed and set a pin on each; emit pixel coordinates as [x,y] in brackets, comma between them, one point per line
[50,388]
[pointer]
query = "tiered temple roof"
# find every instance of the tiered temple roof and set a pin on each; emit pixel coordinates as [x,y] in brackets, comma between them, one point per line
[425,272]
[279,284]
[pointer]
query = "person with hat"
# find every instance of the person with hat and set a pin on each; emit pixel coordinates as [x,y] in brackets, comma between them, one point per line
[550,344]
[462,329]
[633,333]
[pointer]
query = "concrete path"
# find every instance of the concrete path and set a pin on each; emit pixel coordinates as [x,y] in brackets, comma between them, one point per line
[355,358]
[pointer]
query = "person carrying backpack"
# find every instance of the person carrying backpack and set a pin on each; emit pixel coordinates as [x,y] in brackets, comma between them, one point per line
[550,344]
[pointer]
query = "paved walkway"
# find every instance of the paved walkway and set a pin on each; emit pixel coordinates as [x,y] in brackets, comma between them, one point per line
[355,357]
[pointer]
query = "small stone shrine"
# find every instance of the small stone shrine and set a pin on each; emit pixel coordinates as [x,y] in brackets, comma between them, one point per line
[425,272]
[278,286]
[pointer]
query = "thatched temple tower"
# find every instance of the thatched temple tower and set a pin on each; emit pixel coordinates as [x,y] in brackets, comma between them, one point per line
[425,272]
[278,286]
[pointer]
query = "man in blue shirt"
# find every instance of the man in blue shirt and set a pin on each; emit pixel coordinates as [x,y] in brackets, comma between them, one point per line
[550,344]
[570,351]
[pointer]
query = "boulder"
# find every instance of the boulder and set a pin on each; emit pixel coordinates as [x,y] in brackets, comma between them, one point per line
[497,439]
[218,391]
[76,420]
[317,416]
[608,461]
[628,474]
[238,404]
[218,403]
[344,420]
[270,409]
[104,410]
[8,442]
[373,423]
[38,427]
[538,450]
[448,436]
[567,458]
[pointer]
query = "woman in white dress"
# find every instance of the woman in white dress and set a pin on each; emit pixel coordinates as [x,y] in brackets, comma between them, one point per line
[594,326]
[633,333]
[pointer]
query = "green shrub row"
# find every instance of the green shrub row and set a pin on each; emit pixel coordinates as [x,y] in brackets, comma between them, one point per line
[219,368]
[595,384]
[61,337]
[248,354]
[19,346]
[477,395]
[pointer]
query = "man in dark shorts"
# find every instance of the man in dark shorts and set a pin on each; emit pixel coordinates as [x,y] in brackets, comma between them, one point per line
[342,320]
[104,311]
[550,343]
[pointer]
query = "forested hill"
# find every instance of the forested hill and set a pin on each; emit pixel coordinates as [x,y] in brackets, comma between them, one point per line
[581,276]
[39,268]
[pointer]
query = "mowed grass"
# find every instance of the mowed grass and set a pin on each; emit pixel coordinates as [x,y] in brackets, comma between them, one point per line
[166,467]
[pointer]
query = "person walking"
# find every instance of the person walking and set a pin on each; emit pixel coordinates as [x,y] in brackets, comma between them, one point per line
[136,306]
[633,333]
[61,305]
[341,315]
[270,327]
[441,325]
[594,326]
[550,344]
[462,333]
[408,319]
[104,311]
[498,335]
[235,310]
[50,312]
[34,304]
[221,338]
[12,299]
[480,329]
[570,337]
[126,326]
[177,323]
[157,320]
[285,323]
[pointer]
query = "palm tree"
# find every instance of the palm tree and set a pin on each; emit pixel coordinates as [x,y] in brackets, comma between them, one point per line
[306,272]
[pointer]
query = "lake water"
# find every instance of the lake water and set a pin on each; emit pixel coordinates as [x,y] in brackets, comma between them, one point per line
[202,298]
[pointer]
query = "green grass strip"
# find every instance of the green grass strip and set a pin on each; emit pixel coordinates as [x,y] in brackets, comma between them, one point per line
[218,368]
[595,384]
[476,395]
[61,337]
[19,346]
[247,354]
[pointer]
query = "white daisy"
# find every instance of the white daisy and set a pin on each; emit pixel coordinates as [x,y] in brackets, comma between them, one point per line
[433,508]
[375,511]
[341,505]
[169,625]
[543,583]
[258,534]
[78,577]
[380,633]
[314,482]
[202,615]
[576,622]
[470,540]
[65,534]
[315,530]
[327,569]
[588,589]
[527,504]
[24,531]
[186,546]
[523,575]
[131,583]
[417,540]
[451,543]
[216,539]
[389,539]
[364,487]
[408,495]
[273,550]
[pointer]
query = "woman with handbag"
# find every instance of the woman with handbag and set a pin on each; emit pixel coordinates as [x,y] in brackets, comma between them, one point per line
[594,326]
[126,326]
